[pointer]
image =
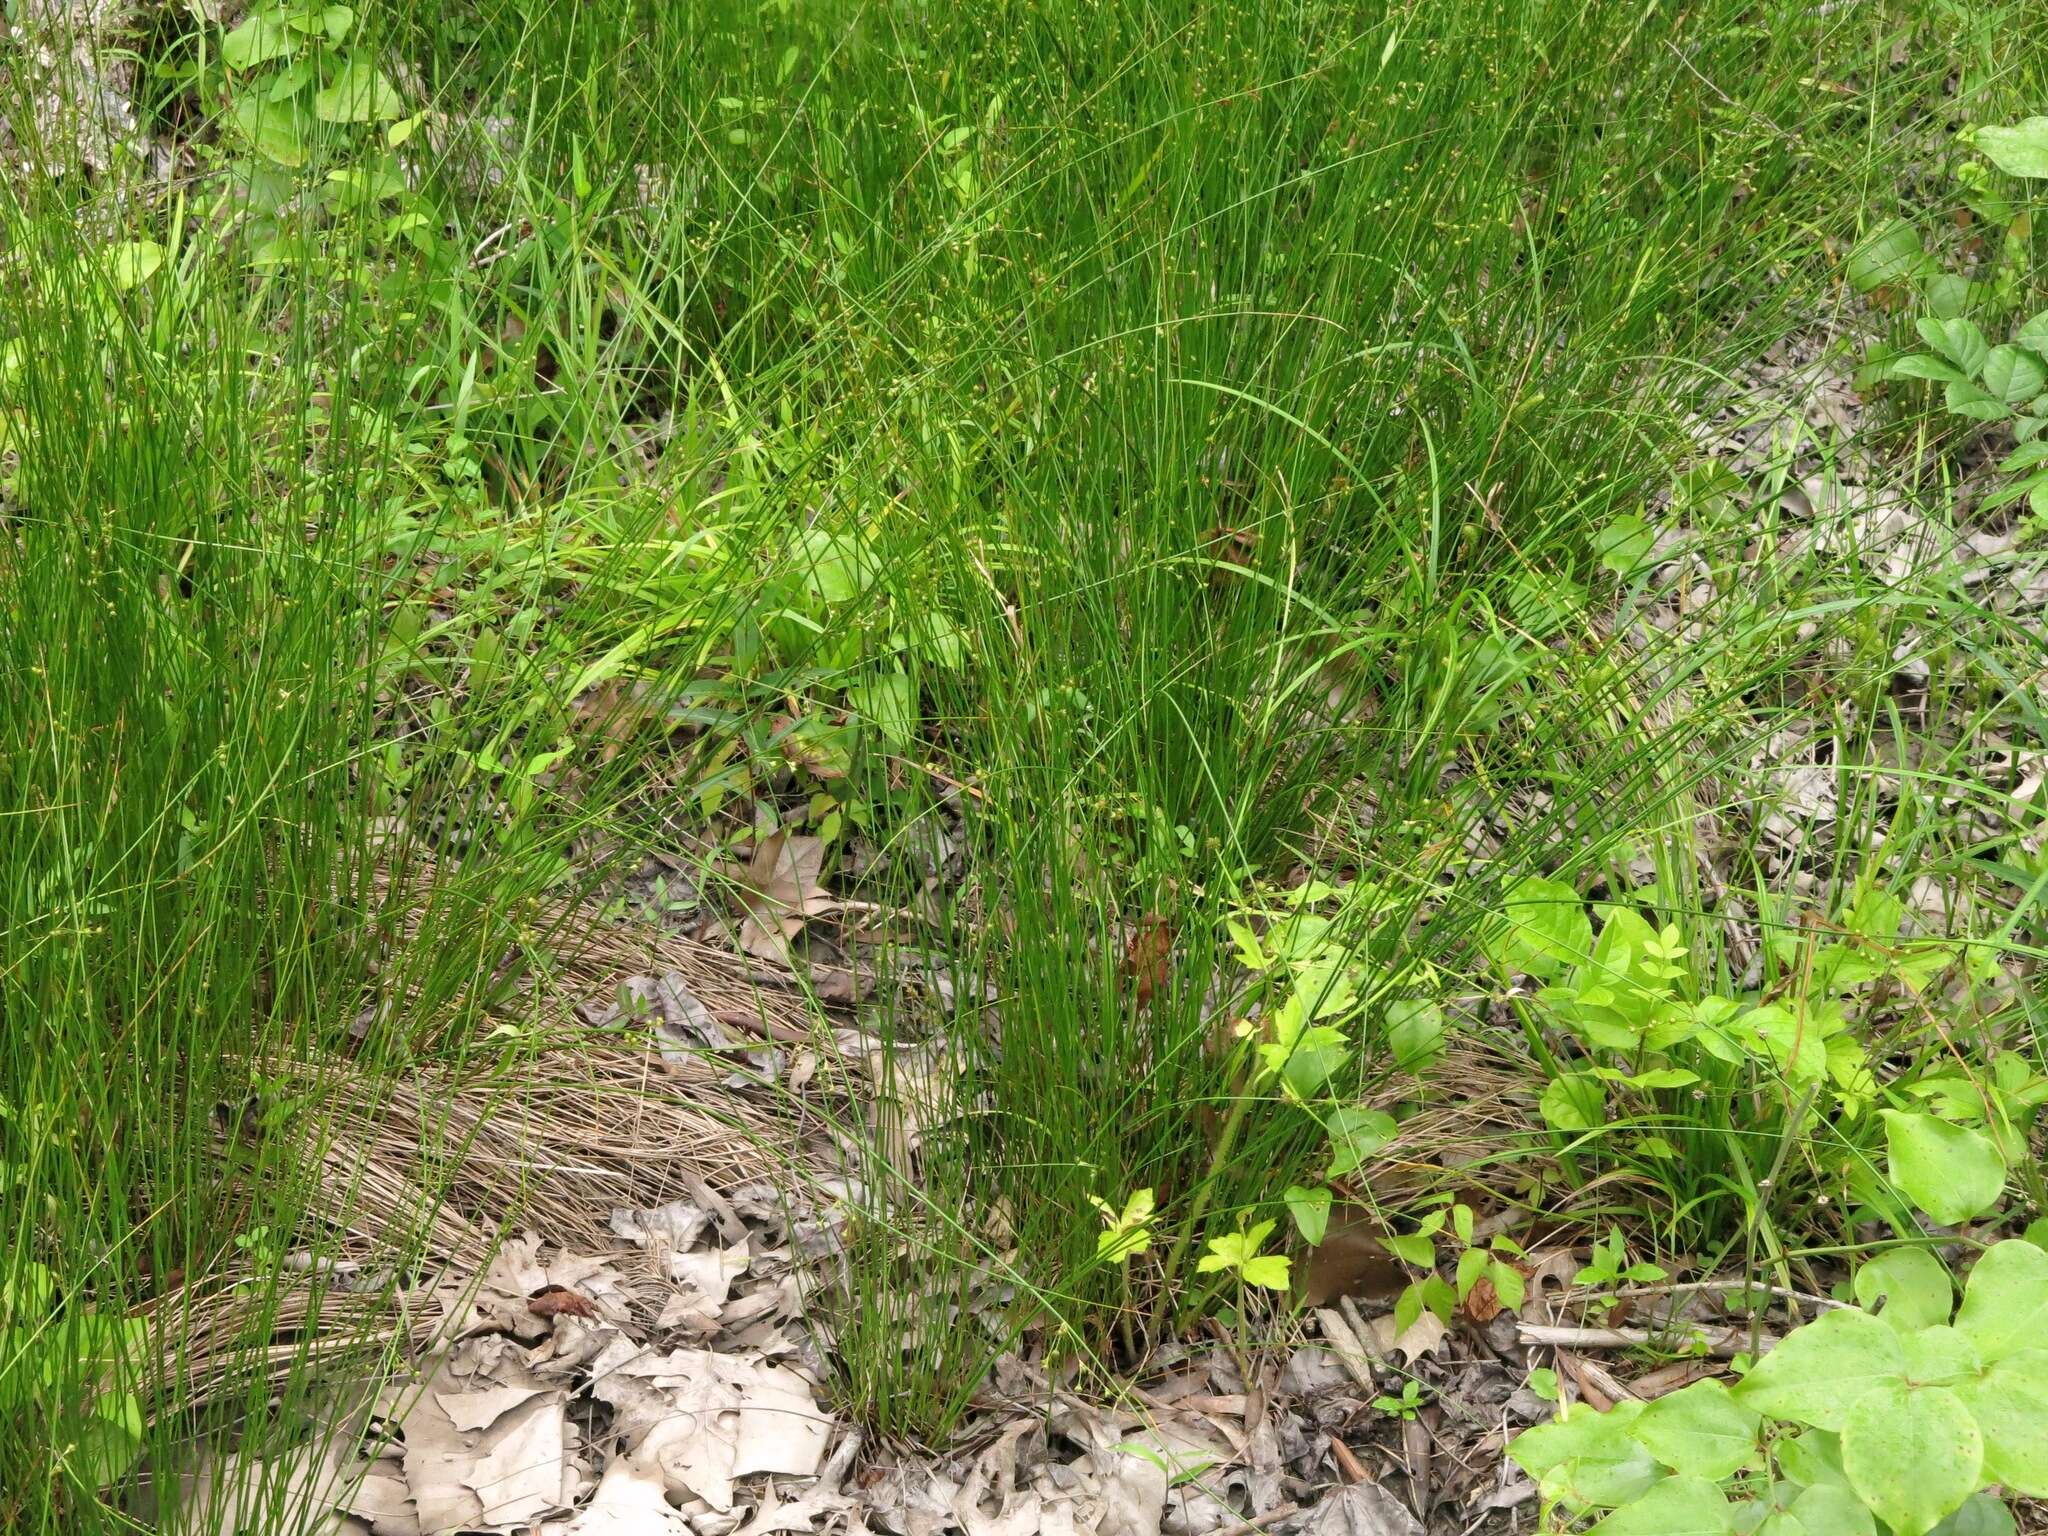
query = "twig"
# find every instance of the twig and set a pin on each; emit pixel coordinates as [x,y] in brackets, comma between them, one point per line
[1780,1292]
[1349,1467]
[1591,1391]
[1723,1343]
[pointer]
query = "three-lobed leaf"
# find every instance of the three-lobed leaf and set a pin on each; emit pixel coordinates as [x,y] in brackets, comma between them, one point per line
[1239,1251]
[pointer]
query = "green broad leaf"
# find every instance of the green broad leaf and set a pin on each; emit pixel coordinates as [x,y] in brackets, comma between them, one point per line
[107,1441]
[1624,543]
[1831,1509]
[1574,1102]
[1656,1077]
[1912,1453]
[1244,942]
[1812,1459]
[1509,1288]
[1618,957]
[1912,1284]
[2005,1300]
[332,22]
[1700,1431]
[1355,1133]
[1950,1172]
[261,38]
[1982,1514]
[889,702]
[1677,1506]
[1544,602]
[1960,341]
[2016,377]
[1793,1044]
[2009,1401]
[836,566]
[1310,1209]
[1471,1265]
[1971,400]
[1888,256]
[2034,334]
[1548,928]
[1269,1271]
[1819,1371]
[1589,1460]
[1918,365]
[1415,1033]
[1948,295]
[134,262]
[276,130]
[2018,150]
[358,93]
[1308,1061]
[1410,1248]
[1940,1357]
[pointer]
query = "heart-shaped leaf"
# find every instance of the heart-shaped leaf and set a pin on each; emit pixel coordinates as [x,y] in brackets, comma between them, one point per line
[1700,1431]
[358,93]
[2009,1401]
[1912,1453]
[1820,1371]
[2005,1301]
[1678,1506]
[2018,150]
[1913,1285]
[1950,1172]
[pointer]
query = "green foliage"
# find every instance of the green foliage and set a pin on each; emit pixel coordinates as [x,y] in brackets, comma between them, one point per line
[2006,383]
[1857,1420]
[1662,1058]
[48,1345]
[1451,1227]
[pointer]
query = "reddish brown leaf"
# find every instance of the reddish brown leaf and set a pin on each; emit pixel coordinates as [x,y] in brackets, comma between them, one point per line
[1146,953]
[560,1301]
[1483,1304]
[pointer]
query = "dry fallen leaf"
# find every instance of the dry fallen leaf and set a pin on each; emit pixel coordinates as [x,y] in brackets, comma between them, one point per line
[560,1301]
[1146,953]
[630,1501]
[1419,1338]
[508,1471]
[1482,1302]
[779,891]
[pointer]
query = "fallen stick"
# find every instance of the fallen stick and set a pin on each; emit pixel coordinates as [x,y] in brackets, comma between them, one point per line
[1721,1343]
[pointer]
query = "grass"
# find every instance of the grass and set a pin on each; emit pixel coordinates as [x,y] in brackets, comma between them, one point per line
[1160,451]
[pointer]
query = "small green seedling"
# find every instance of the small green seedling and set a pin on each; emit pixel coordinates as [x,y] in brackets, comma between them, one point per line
[1406,1407]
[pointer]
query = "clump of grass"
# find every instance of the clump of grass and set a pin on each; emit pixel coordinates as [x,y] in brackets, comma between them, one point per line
[1159,452]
